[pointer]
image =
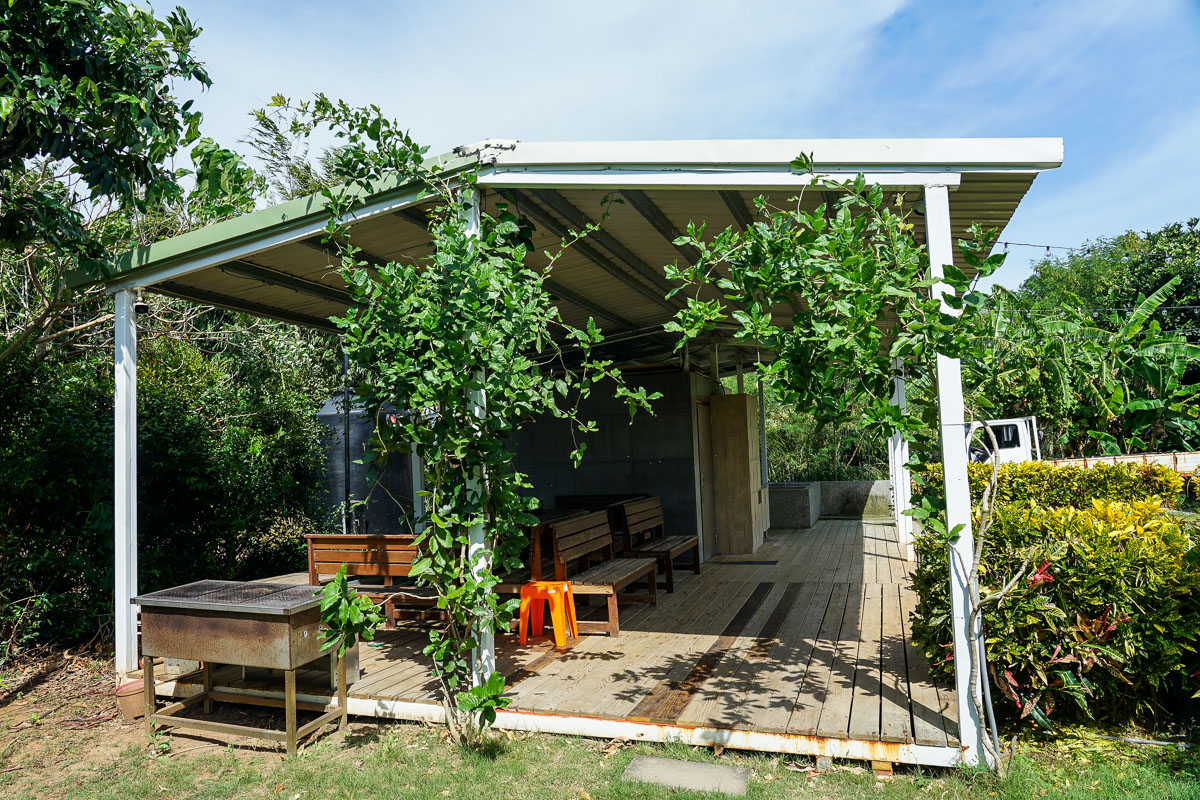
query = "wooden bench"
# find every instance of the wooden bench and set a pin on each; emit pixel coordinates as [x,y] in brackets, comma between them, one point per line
[640,524]
[386,556]
[596,502]
[580,542]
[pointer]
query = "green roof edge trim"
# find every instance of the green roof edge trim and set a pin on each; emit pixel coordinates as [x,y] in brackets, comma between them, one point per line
[293,215]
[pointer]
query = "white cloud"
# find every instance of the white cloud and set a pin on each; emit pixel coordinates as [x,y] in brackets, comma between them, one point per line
[1140,188]
[464,71]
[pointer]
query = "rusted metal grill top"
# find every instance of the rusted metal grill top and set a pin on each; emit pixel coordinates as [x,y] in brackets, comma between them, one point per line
[240,596]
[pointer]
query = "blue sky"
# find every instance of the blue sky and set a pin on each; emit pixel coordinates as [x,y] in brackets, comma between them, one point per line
[1118,81]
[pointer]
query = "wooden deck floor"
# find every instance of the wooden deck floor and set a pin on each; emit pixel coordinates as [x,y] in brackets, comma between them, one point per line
[807,637]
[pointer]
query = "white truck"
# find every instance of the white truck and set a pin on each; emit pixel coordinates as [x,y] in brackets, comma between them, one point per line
[1017,440]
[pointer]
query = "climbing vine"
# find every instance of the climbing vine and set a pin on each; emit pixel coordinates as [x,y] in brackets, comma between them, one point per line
[454,351]
[844,299]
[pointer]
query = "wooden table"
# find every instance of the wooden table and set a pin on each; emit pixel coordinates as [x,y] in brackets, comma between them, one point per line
[250,624]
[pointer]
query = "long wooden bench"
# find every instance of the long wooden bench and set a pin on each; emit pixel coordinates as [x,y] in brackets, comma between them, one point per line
[640,524]
[385,556]
[579,543]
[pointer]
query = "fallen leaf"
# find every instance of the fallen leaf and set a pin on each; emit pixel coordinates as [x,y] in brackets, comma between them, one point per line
[279,787]
[583,795]
[794,767]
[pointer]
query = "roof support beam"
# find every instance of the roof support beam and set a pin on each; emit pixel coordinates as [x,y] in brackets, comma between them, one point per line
[737,207]
[556,289]
[415,216]
[238,304]
[654,215]
[560,292]
[332,251]
[271,277]
[547,221]
[580,221]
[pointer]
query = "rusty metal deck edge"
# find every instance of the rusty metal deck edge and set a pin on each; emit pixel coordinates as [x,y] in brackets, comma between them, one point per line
[598,727]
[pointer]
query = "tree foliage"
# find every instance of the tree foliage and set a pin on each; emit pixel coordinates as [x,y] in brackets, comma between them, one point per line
[229,463]
[467,345]
[1112,382]
[841,269]
[88,84]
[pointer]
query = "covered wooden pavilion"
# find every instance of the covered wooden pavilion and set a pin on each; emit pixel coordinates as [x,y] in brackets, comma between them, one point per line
[272,263]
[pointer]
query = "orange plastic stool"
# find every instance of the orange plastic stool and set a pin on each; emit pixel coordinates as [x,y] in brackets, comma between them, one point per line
[534,596]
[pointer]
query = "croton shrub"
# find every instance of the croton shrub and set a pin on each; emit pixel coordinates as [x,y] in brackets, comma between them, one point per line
[1103,620]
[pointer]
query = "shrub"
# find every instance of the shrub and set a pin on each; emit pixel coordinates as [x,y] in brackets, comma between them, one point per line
[228,475]
[1060,486]
[1105,614]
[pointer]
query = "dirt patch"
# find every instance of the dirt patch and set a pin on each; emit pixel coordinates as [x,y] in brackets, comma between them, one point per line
[59,717]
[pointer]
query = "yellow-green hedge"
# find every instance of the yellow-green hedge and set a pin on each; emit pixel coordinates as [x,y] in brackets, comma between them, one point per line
[1061,486]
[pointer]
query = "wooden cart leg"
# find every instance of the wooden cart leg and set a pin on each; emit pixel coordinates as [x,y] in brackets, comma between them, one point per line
[148,690]
[342,693]
[206,678]
[289,709]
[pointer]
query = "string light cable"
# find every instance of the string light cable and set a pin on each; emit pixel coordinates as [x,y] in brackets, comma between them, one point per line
[1168,258]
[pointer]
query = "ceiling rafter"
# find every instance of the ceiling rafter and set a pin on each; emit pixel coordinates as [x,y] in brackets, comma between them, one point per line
[237,304]
[556,289]
[560,292]
[661,223]
[557,228]
[580,221]
[737,207]
[271,277]
[331,250]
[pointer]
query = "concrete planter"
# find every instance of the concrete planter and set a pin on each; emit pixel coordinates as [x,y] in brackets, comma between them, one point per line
[856,499]
[795,505]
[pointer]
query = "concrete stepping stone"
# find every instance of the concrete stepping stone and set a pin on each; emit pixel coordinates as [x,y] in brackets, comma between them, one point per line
[688,775]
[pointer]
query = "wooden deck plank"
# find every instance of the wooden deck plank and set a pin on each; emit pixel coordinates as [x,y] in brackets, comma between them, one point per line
[930,715]
[670,696]
[813,691]
[865,705]
[834,720]
[716,701]
[896,723]
[555,686]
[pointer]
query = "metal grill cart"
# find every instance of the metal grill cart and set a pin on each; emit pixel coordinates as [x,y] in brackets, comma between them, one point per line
[268,625]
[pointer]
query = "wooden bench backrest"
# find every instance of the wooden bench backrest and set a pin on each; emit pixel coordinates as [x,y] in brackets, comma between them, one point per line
[592,502]
[638,516]
[580,537]
[382,555]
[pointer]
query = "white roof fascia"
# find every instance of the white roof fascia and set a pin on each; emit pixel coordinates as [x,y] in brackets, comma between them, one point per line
[684,178]
[851,154]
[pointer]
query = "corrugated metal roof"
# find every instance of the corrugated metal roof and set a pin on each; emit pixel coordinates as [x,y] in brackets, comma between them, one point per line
[271,262]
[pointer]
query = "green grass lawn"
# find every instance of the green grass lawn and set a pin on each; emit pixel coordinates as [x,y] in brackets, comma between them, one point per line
[411,761]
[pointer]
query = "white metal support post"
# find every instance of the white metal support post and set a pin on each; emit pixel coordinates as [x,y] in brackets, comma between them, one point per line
[477,553]
[951,416]
[762,431]
[897,458]
[125,482]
